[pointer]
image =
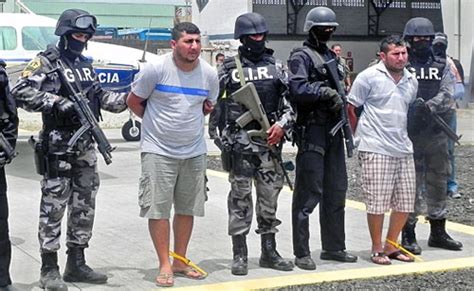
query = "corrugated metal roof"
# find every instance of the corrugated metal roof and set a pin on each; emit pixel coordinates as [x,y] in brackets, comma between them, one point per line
[112,14]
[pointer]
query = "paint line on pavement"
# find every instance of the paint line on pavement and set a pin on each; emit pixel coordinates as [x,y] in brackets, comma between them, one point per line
[330,276]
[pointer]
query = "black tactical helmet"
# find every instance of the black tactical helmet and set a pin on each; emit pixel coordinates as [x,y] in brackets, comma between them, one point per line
[75,20]
[249,23]
[320,16]
[419,26]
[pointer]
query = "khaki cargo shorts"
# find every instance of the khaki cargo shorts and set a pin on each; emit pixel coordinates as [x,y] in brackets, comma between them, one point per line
[167,181]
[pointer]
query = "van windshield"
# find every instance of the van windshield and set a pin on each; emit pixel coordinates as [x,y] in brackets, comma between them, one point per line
[37,38]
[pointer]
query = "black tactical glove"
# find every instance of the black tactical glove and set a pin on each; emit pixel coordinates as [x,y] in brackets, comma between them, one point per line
[331,95]
[337,105]
[64,105]
[419,102]
[420,107]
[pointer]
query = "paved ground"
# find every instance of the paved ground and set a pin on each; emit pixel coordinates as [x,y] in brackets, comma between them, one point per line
[121,246]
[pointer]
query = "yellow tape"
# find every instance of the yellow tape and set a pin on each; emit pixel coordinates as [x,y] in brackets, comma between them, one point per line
[398,246]
[188,262]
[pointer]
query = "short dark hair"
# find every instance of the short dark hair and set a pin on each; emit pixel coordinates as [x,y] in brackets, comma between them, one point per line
[335,45]
[181,27]
[219,55]
[394,39]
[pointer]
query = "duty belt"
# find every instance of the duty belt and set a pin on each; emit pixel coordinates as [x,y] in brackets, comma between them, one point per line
[309,147]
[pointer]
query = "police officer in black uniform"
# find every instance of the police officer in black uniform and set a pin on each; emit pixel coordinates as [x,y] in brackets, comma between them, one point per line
[320,163]
[253,161]
[70,176]
[9,129]
[430,144]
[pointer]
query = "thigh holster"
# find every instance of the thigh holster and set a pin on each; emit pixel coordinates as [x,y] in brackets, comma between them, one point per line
[58,165]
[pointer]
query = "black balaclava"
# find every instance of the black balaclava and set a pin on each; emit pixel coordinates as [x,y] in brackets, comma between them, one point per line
[421,49]
[252,49]
[319,35]
[439,50]
[71,47]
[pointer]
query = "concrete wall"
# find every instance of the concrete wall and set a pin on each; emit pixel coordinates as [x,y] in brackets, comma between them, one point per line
[362,52]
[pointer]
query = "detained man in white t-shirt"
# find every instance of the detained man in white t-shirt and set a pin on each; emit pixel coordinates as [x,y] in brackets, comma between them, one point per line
[386,91]
[172,95]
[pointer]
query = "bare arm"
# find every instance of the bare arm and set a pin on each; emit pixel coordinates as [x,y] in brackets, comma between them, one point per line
[136,104]
[352,116]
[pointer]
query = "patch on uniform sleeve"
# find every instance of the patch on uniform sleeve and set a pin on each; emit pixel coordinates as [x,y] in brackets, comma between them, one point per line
[294,65]
[31,67]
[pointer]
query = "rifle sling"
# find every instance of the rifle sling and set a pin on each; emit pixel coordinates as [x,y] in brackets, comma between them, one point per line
[315,57]
[240,70]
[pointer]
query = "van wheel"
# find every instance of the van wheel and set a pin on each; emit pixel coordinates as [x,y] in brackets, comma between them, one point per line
[130,132]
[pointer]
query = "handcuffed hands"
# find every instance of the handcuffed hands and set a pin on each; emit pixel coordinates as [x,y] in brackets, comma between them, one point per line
[207,107]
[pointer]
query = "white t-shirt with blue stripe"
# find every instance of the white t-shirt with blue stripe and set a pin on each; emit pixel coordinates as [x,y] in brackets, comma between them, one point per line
[173,123]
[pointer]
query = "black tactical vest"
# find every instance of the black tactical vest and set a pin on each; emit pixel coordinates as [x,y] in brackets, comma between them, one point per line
[264,75]
[7,103]
[320,113]
[429,75]
[81,70]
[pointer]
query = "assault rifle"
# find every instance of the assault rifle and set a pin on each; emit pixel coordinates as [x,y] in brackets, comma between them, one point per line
[441,123]
[7,148]
[86,117]
[248,97]
[331,67]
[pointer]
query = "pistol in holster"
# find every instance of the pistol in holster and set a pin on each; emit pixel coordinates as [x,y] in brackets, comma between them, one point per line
[226,154]
[40,155]
[298,135]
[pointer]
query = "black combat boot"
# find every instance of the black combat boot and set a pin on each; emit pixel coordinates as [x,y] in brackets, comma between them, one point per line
[439,238]
[77,270]
[239,248]
[50,278]
[270,258]
[409,238]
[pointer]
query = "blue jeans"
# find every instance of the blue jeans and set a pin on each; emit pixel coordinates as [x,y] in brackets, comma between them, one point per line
[452,184]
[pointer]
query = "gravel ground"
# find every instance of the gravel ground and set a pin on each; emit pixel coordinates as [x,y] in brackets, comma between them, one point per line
[460,211]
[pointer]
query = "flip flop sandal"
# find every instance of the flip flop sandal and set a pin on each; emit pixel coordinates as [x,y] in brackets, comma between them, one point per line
[380,259]
[396,256]
[163,280]
[186,273]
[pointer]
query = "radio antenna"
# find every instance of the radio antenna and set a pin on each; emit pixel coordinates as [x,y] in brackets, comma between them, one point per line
[143,60]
